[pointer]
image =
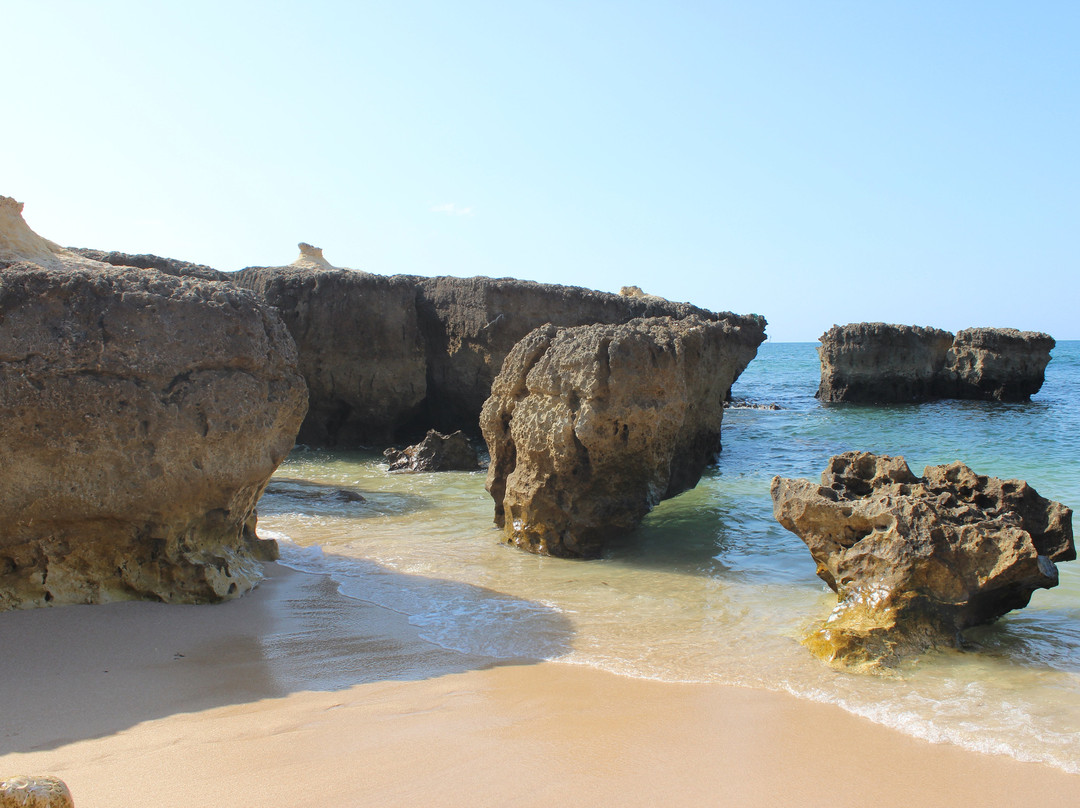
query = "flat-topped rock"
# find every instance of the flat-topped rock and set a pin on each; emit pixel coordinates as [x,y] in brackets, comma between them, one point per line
[388,357]
[882,363]
[879,362]
[916,560]
[590,427]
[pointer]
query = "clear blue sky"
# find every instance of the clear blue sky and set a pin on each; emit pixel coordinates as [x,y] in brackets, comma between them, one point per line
[814,162]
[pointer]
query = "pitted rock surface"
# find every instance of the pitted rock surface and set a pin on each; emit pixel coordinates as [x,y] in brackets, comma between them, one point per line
[590,427]
[916,560]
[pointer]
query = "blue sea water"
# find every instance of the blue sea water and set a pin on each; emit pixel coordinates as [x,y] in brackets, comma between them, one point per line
[711,588]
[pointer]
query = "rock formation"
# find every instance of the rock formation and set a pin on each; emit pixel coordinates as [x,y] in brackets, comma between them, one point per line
[436,452]
[170,266]
[877,362]
[1002,364]
[470,325]
[590,427]
[34,792]
[914,561]
[143,415]
[387,357]
[359,346]
[881,363]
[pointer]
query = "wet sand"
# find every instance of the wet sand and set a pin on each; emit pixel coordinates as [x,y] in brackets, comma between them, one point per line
[297,696]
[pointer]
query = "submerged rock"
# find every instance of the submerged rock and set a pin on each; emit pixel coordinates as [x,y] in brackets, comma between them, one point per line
[915,561]
[35,792]
[590,427]
[143,414]
[436,452]
[883,363]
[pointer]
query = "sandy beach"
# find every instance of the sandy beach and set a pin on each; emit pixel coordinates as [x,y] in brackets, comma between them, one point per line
[297,696]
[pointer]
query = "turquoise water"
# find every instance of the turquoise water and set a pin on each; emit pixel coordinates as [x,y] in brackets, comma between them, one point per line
[711,588]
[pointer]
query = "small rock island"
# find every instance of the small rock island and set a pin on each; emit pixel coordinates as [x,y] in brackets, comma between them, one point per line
[879,363]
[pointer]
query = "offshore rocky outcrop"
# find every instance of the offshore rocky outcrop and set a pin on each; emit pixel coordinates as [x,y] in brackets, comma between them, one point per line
[387,357]
[916,560]
[1002,364]
[436,452]
[143,414]
[590,427]
[884,363]
[359,347]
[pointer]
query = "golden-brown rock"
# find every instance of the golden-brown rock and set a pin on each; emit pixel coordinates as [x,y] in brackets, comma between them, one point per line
[34,792]
[915,561]
[143,413]
[590,427]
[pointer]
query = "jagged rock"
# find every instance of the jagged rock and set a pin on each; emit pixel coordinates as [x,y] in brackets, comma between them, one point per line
[471,324]
[590,427]
[35,792]
[437,452]
[143,414]
[915,561]
[359,345]
[883,363]
[170,266]
[878,362]
[1002,364]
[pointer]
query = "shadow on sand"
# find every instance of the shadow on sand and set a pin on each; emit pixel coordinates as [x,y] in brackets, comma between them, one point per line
[79,672]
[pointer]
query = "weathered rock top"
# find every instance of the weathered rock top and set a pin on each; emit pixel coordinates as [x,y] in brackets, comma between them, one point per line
[311,257]
[170,266]
[19,243]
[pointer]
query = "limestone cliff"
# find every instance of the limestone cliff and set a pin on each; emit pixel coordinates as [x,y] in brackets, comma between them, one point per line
[387,357]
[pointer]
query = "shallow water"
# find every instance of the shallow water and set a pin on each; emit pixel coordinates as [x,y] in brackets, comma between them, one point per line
[711,588]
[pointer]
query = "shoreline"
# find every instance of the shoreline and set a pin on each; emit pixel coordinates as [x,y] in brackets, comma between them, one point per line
[298,695]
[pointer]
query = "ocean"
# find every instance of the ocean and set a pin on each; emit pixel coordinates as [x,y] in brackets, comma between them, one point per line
[710,588]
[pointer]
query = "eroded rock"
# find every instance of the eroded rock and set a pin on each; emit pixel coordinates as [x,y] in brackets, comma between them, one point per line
[590,427]
[915,561]
[388,357]
[471,324]
[882,363]
[436,452]
[143,413]
[1001,364]
[360,348]
[170,266]
[879,362]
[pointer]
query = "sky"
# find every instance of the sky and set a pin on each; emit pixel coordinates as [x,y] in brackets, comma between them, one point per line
[818,163]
